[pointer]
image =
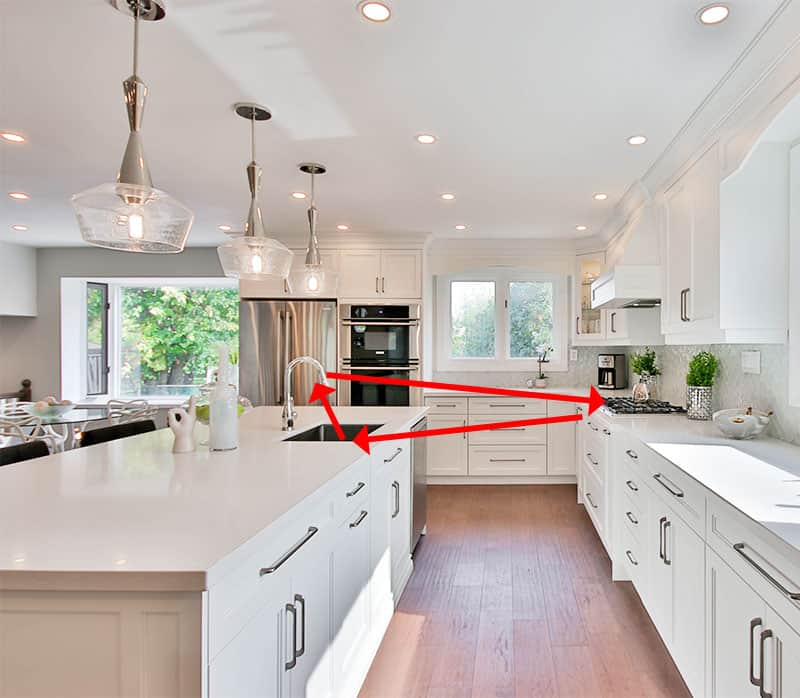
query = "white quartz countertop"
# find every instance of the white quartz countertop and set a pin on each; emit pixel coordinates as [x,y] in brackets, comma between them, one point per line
[132,506]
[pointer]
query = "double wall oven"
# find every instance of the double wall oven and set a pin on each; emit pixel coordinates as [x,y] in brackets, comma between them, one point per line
[380,341]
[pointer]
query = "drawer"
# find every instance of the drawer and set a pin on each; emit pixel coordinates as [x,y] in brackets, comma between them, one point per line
[536,434]
[632,515]
[686,496]
[240,594]
[594,463]
[594,501]
[507,406]
[632,477]
[508,460]
[446,405]
[632,557]
[351,488]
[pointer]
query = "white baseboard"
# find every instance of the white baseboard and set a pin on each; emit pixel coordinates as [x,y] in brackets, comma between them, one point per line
[496,480]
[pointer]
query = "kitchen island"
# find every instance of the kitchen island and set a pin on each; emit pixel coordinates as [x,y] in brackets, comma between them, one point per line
[270,570]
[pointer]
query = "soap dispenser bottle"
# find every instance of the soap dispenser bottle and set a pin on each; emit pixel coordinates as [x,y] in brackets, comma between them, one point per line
[223,408]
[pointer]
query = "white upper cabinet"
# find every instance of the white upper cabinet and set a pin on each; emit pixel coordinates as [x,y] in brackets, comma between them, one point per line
[388,274]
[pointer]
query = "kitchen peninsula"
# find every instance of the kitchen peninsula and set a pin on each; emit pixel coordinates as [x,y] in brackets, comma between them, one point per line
[128,570]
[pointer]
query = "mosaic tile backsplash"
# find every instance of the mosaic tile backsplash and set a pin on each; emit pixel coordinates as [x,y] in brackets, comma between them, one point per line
[767,391]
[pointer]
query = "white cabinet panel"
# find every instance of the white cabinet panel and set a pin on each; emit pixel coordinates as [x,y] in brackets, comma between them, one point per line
[508,461]
[401,274]
[447,455]
[616,322]
[560,440]
[782,655]
[359,274]
[400,521]
[678,239]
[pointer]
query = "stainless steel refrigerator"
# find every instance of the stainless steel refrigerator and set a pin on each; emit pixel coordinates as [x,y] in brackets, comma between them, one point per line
[271,334]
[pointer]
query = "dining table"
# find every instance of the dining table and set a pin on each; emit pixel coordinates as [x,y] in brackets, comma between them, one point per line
[68,425]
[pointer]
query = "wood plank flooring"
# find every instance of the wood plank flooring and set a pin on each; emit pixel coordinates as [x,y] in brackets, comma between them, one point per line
[512,597]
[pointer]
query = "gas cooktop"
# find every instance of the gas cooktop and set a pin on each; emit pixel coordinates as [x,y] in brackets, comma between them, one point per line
[626,405]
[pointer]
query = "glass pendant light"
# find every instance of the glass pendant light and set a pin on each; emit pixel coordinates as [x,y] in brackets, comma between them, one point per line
[252,255]
[130,214]
[313,278]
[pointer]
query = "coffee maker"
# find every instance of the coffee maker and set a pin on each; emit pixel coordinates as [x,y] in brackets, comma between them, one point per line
[612,371]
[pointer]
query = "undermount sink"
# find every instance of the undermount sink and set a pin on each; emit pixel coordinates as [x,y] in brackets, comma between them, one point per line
[326,432]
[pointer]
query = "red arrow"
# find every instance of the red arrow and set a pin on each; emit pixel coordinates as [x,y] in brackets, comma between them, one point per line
[363,439]
[321,392]
[595,399]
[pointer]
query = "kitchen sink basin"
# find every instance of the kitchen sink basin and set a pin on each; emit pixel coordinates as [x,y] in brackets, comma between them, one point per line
[326,432]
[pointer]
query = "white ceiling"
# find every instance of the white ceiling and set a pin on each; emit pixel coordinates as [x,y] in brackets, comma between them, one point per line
[532,101]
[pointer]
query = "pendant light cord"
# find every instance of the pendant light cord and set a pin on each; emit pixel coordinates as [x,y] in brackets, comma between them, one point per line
[312,188]
[253,136]
[136,40]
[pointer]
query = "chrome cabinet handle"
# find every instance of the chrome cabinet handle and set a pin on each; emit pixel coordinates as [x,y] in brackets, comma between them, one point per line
[632,454]
[507,460]
[591,460]
[661,553]
[292,663]
[383,284]
[791,595]
[591,501]
[592,426]
[514,405]
[613,322]
[756,622]
[376,285]
[352,493]
[396,488]
[631,557]
[672,488]
[631,485]
[765,635]
[632,518]
[606,432]
[578,324]
[464,433]
[299,599]
[667,559]
[446,404]
[312,531]
[393,456]
[685,305]
[361,517]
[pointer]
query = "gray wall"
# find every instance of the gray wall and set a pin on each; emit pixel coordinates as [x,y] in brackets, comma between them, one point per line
[30,347]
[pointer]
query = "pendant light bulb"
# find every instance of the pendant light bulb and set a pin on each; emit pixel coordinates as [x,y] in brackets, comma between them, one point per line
[252,255]
[156,222]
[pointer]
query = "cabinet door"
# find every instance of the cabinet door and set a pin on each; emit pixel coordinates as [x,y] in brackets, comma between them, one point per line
[447,455]
[560,440]
[359,274]
[587,324]
[380,512]
[400,522]
[782,657]
[253,664]
[678,219]
[350,570]
[735,620]
[659,557]
[401,274]
[616,324]
[686,551]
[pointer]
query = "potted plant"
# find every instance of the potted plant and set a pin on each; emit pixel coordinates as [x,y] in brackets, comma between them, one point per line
[644,366]
[543,353]
[699,381]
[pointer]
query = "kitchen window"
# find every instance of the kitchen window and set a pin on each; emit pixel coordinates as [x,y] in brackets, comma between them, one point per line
[144,339]
[499,320]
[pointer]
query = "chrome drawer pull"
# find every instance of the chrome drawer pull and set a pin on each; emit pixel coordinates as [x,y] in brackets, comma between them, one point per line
[631,557]
[667,524]
[632,454]
[632,518]
[592,426]
[361,517]
[292,663]
[591,501]
[507,460]
[393,456]
[631,485]
[791,595]
[606,432]
[765,635]
[312,530]
[591,460]
[299,599]
[756,622]
[515,405]
[672,488]
[449,404]
[352,493]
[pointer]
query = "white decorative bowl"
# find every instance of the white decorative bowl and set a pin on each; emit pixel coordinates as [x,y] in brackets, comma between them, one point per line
[737,424]
[51,411]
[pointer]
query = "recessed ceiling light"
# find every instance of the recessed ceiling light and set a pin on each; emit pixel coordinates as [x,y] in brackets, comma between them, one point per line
[298,195]
[225,228]
[19,228]
[374,11]
[600,197]
[581,228]
[448,197]
[637,140]
[461,226]
[18,195]
[713,14]
[426,138]
[12,137]
[342,226]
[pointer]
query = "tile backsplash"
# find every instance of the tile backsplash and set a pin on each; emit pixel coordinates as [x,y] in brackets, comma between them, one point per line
[733,388]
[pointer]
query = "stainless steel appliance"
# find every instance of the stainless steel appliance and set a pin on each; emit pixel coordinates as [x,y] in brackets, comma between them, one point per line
[419,483]
[626,405]
[380,341]
[274,332]
[612,371]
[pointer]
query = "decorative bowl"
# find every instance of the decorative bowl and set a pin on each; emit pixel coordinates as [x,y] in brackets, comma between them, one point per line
[738,424]
[49,411]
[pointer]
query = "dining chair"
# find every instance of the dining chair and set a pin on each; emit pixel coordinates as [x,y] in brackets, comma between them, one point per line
[20,428]
[23,451]
[122,411]
[116,431]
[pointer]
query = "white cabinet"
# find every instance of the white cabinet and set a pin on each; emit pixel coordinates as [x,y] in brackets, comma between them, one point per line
[447,455]
[386,274]
[560,440]
[400,519]
[587,323]
[781,645]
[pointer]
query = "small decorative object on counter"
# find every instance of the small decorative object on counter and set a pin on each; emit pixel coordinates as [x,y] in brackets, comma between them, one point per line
[223,408]
[182,422]
[543,352]
[644,366]
[699,382]
[741,424]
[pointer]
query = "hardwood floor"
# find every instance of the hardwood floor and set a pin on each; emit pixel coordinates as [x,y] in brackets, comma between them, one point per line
[512,597]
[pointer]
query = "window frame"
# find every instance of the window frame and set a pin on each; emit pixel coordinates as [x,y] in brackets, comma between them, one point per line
[502,361]
[105,329]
